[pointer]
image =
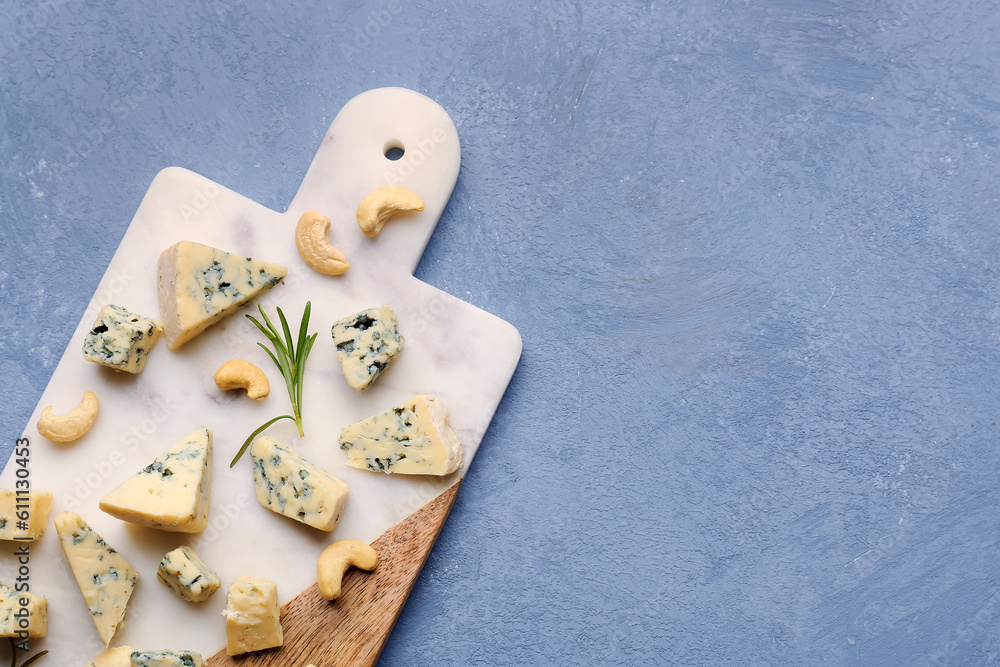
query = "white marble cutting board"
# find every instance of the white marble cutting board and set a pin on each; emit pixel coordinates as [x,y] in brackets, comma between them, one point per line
[453,350]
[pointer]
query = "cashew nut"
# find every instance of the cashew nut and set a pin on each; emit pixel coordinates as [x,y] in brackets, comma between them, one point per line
[335,560]
[378,205]
[311,238]
[240,374]
[73,424]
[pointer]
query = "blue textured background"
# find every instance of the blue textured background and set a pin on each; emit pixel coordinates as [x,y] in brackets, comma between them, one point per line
[751,247]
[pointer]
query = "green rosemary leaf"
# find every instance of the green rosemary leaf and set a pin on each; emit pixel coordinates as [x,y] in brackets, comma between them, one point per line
[278,345]
[271,332]
[305,349]
[33,658]
[303,326]
[254,435]
[290,358]
[273,358]
[288,334]
[13,655]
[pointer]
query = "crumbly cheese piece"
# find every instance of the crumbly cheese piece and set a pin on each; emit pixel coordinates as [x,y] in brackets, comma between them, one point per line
[199,285]
[36,504]
[252,618]
[22,606]
[172,492]
[166,658]
[121,339]
[114,657]
[410,439]
[104,577]
[366,343]
[288,484]
[187,575]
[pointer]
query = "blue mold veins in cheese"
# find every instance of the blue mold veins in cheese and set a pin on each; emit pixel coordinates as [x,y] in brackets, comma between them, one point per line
[291,486]
[366,343]
[187,575]
[413,438]
[121,339]
[172,492]
[104,577]
[18,608]
[200,285]
[166,658]
[35,503]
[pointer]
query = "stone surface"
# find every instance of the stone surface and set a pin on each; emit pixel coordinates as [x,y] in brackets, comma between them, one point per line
[750,248]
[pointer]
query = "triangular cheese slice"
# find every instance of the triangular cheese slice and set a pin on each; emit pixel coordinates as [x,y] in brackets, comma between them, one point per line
[172,492]
[199,285]
[105,578]
[413,438]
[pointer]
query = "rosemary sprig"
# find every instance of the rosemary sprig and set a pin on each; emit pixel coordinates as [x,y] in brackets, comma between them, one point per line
[289,356]
[13,656]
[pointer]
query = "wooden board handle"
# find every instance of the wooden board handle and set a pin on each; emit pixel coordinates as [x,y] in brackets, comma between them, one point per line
[352,629]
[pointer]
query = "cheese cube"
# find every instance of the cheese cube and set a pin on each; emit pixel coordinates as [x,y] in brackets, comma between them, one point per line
[410,439]
[366,343]
[288,484]
[187,575]
[166,659]
[172,492]
[113,657]
[120,339]
[104,577]
[200,285]
[36,504]
[252,616]
[17,606]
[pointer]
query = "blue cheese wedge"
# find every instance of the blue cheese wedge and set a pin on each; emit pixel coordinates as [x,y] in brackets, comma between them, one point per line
[113,657]
[172,492]
[288,484]
[366,343]
[104,577]
[34,505]
[121,339]
[187,575]
[252,616]
[166,659]
[410,439]
[199,285]
[22,612]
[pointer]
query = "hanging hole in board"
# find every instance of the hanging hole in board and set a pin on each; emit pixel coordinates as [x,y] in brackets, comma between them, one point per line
[393,150]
